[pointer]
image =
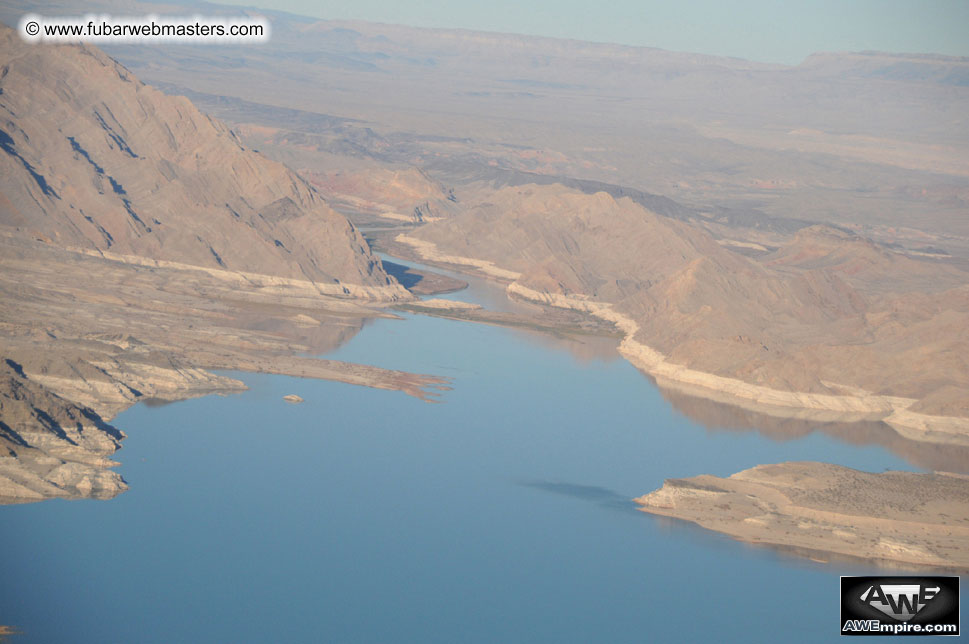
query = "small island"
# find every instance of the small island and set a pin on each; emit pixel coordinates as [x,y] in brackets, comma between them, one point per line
[292,398]
[822,510]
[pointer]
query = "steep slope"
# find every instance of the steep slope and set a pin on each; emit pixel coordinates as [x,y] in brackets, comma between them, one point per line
[94,159]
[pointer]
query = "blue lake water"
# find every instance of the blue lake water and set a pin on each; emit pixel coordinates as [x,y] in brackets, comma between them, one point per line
[502,514]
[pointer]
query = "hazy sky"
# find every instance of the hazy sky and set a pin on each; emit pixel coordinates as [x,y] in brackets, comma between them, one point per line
[765,30]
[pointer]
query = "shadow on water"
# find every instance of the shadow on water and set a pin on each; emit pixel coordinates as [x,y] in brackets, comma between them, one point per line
[156,402]
[422,281]
[591,493]
[407,277]
[684,530]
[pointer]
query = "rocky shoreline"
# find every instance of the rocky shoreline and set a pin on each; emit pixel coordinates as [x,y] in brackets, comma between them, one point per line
[85,336]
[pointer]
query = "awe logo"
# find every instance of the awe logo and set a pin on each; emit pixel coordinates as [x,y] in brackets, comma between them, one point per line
[901,601]
[900,605]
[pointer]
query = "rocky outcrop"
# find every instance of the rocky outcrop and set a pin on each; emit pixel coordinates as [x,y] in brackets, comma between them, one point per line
[51,447]
[823,510]
[108,384]
[55,440]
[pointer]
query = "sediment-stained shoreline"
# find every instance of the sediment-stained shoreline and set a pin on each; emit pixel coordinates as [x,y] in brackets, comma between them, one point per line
[856,405]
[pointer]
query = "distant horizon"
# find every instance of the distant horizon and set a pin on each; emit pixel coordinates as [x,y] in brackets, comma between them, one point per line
[755,30]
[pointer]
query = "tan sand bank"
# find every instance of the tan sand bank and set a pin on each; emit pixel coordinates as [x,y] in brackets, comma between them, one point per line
[906,518]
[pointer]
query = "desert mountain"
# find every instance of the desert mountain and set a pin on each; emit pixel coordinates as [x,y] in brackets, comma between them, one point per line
[142,244]
[94,159]
[829,313]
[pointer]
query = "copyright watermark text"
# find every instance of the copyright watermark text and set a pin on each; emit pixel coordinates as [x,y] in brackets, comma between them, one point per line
[105,29]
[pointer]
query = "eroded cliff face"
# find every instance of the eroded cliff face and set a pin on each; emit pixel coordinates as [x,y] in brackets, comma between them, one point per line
[830,321]
[94,159]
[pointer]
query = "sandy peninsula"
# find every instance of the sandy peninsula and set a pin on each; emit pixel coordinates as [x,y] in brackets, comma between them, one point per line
[822,511]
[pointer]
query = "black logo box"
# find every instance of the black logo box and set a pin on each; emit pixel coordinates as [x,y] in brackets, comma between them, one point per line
[941,608]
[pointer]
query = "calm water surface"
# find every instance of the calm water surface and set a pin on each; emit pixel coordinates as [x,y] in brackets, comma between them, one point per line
[502,514]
